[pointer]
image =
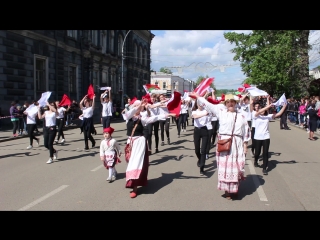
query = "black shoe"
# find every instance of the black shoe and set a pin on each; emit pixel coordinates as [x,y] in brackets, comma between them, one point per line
[198,164]
[256,164]
[287,129]
[86,149]
[168,141]
[162,143]
[201,172]
[264,171]
[157,150]
[93,144]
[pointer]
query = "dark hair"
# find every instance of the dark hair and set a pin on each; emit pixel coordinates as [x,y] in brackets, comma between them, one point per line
[313,105]
[195,106]
[13,103]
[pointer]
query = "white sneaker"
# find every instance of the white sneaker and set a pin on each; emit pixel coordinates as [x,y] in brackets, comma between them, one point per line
[62,141]
[55,141]
[50,160]
[109,179]
[55,155]
[29,147]
[38,142]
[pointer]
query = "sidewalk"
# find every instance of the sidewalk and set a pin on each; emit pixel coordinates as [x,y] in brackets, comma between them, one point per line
[316,133]
[6,135]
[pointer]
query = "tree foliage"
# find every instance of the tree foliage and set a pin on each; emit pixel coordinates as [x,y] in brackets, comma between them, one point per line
[276,61]
[165,70]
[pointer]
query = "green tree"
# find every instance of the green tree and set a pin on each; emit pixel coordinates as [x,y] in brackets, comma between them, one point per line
[165,70]
[273,60]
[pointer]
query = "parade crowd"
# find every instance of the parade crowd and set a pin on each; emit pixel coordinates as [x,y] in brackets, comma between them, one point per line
[234,120]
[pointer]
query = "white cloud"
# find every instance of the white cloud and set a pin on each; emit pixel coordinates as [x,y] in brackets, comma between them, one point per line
[190,53]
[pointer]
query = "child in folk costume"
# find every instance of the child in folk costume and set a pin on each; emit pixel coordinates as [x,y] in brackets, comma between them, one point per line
[109,153]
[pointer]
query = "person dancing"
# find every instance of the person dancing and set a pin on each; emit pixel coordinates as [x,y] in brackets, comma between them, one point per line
[60,121]
[138,164]
[154,111]
[50,129]
[31,115]
[87,107]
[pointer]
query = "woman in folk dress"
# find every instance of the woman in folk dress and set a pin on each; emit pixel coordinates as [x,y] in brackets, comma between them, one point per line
[230,164]
[138,165]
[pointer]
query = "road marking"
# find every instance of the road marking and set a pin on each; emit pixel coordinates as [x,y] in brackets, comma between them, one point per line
[256,182]
[43,198]
[97,168]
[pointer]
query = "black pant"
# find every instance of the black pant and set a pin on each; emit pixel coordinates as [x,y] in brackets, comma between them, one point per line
[49,134]
[215,127]
[155,127]
[200,138]
[31,128]
[265,145]
[60,124]
[21,125]
[164,126]
[15,126]
[87,136]
[181,122]
[209,141]
[253,129]
[147,133]
[283,120]
[106,121]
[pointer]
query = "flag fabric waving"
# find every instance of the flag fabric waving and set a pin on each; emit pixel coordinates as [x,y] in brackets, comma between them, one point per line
[149,87]
[90,92]
[280,101]
[204,86]
[174,103]
[65,101]
[44,98]
[256,92]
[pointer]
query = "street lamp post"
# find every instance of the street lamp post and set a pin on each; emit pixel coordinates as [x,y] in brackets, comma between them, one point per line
[122,85]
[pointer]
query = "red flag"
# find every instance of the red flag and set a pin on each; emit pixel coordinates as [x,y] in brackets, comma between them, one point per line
[246,85]
[133,100]
[241,89]
[65,101]
[147,96]
[203,86]
[213,101]
[90,92]
[174,104]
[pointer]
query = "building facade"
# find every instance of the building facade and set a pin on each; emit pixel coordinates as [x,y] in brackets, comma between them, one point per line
[68,61]
[171,82]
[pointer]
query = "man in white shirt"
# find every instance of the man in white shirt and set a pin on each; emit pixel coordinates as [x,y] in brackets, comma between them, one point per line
[106,102]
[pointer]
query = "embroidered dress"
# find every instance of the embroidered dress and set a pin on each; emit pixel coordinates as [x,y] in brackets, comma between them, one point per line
[108,150]
[138,165]
[230,164]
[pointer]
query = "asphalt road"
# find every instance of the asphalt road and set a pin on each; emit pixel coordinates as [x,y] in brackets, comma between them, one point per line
[77,180]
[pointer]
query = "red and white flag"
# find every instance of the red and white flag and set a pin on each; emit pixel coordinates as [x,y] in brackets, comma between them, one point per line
[174,103]
[204,86]
[65,101]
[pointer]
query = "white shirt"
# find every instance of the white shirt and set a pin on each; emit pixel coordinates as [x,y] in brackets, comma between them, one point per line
[262,127]
[50,118]
[202,121]
[61,111]
[31,117]
[163,110]
[87,112]
[245,110]
[209,124]
[253,113]
[106,109]
[184,108]
[154,111]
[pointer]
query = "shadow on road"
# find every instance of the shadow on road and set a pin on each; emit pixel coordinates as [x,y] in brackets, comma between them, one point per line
[273,164]
[167,158]
[84,154]
[154,185]
[247,187]
[17,154]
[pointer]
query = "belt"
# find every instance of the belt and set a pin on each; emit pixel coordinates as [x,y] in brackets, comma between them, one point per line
[204,127]
[230,135]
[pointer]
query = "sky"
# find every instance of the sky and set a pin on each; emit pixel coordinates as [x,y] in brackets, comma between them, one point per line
[193,53]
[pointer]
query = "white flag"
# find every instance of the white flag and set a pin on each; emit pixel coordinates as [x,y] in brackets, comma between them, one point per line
[280,101]
[105,88]
[44,98]
[256,92]
[31,109]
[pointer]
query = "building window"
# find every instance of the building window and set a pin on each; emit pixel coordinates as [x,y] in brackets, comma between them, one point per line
[145,58]
[94,37]
[103,41]
[140,55]
[164,85]
[40,73]
[120,42]
[135,53]
[111,41]
[72,79]
[104,77]
[72,33]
